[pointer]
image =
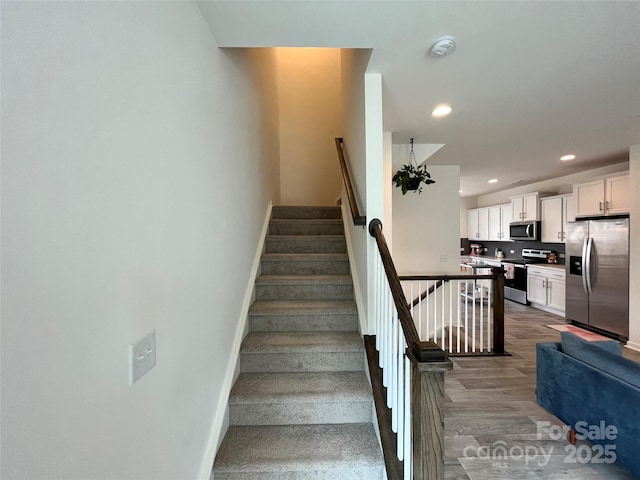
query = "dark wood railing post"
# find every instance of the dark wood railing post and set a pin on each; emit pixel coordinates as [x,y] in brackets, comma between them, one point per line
[427,417]
[498,309]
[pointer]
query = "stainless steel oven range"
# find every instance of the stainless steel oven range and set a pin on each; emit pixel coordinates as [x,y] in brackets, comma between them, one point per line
[515,275]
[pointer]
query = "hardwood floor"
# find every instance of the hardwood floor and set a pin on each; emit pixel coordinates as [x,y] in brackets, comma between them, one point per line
[491,408]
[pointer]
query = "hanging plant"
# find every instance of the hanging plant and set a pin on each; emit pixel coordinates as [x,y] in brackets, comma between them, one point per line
[411,176]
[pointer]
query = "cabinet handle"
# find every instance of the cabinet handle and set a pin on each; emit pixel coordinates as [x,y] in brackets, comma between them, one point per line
[607,207]
[560,235]
[600,206]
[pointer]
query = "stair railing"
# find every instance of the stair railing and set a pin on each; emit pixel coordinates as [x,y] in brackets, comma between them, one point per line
[412,372]
[353,205]
[464,314]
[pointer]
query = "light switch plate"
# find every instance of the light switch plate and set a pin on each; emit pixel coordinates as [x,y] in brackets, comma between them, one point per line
[142,357]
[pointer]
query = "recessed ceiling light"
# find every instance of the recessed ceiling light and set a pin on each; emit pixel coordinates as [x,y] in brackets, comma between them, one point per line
[493,180]
[441,111]
[565,158]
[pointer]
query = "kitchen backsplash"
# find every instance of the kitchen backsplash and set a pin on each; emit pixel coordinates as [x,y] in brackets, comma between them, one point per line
[506,247]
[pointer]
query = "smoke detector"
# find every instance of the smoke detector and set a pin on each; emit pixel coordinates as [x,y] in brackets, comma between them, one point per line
[443,46]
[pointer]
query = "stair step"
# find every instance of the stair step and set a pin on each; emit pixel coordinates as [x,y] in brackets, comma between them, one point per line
[305,264]
[306,244]
[302,352]
[300,452]
[303,316]
[304,287]
[300,398]
[308,212]
[306,226]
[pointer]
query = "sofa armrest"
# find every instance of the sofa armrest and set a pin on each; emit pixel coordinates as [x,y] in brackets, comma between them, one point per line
[576,392]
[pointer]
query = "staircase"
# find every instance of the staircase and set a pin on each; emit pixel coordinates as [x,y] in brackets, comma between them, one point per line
[302,406]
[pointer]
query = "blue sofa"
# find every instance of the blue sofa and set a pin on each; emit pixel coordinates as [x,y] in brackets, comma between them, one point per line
[586,383]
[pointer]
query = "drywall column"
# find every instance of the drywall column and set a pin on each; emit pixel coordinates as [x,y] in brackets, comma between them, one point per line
[374,148]
[352,68]
[634,253]
[387,188]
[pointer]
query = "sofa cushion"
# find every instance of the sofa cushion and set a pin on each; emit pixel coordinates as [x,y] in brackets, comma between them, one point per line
[605,356]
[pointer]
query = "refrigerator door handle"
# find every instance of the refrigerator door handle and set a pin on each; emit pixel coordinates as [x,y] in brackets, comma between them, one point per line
[585,270]
[588,266]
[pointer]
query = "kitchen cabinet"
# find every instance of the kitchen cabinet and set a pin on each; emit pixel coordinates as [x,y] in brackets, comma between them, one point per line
[472,225]
[525,207]
[546,289]
[555,213]
[499,217]
[478,225]
[608,196]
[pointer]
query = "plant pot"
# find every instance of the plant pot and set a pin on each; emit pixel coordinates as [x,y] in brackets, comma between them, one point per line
[413,184]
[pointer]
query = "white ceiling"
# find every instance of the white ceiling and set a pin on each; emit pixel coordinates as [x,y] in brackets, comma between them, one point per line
[528,81]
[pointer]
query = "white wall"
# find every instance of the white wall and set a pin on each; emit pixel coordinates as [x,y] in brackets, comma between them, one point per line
[310,110]
[124,130]
[634,242]
[426,225]
[352,68]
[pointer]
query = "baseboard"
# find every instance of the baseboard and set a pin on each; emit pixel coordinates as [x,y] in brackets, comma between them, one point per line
[362,319]
[633,346]
[219,425]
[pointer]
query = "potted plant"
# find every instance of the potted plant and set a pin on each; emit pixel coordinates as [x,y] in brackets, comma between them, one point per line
[411,176]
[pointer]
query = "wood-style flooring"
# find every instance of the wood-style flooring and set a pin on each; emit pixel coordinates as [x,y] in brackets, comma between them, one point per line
[490,408]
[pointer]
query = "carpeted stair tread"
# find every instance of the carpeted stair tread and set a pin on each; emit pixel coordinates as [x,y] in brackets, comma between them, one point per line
[332,387]
[307,257]
[350,451]
[304,226]
[303,307]
[304,280]
[302,342]
[308,212]
[305,264]
[305,244]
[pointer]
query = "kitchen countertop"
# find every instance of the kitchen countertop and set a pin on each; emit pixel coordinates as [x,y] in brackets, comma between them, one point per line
[470,259]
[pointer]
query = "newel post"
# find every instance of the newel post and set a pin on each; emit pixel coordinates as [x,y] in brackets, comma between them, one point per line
[427,411]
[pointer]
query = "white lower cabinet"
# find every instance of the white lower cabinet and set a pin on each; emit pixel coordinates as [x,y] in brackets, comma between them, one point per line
[546,288]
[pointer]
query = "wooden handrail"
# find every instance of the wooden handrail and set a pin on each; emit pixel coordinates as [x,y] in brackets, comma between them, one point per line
[358,219]
[419,350]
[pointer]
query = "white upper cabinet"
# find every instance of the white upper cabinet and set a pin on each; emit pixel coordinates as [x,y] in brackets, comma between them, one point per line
[525,207]
[609,196]
[499,218]
[472,225]
[617,191]
[483,223]
[555,212]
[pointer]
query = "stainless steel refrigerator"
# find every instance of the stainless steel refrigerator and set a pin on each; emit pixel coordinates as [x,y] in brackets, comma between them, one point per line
[597,258]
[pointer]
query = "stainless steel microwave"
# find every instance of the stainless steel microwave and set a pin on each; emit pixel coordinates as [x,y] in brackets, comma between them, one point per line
[524,230]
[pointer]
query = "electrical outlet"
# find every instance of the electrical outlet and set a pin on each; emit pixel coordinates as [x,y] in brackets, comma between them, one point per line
[142,357]
[443,257]
[512,251]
